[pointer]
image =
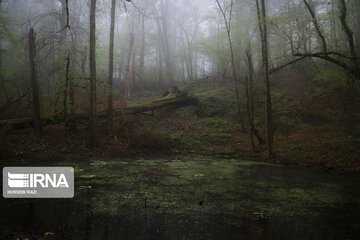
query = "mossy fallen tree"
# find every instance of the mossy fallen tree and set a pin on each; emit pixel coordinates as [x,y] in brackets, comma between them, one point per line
[169,101]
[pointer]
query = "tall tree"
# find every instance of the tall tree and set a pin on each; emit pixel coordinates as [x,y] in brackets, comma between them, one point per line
[228,31]
[164,9]
[93,135]
[249,89]
[142,51]
[111,68]
[129,70]
[34,82]
[261,14]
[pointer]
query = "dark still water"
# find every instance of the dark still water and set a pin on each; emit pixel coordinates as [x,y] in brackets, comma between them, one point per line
[190,198]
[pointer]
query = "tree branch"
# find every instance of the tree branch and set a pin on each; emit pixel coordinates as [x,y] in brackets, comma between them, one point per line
[346,28]
[271,71]
[316,24]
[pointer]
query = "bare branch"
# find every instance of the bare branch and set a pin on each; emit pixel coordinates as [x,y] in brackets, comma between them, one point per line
[347,30]
[271,71]
[316,24]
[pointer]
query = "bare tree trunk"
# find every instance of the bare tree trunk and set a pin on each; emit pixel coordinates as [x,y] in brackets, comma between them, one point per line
[65,92]
[250,101]
[2,80]
[72,123]
[165,45]
[160,63]
[249,111]
[316,24]
[142,51]
[93,135]
[110,110]
[268,107]
[228,29]
[83,61]
[347,30]
[34,82]
[129,69]
[250,96]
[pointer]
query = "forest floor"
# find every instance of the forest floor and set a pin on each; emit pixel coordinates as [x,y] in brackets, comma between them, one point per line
[210,128]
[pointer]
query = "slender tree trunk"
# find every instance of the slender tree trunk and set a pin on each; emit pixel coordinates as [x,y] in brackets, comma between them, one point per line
[190,62]
[2,80]
[34,82]
[160,65]
[83,61]
[159,57]
[349,33]
[165,45]
[111,69]
[268,107]
[237,92]
[249,112]
[93,134]
[65,92]
[315,22]
[129,69]
[142,52]
[72,123]
[250,101]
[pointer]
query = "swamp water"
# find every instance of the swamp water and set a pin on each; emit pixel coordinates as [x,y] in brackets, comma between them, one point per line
[190,198]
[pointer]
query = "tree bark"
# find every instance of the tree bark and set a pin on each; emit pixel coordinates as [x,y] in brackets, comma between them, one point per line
[268,106]
[142,51]
[166,45]
[34,82]
[159,52]
[228,30]
[249,111]
[129,69]
[65,92]
[316,24]
[71,122]
[111,69]
[250,101]
[347,30]
[93,134]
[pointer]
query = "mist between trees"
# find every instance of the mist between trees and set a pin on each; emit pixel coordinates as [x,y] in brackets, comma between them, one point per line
[61,57]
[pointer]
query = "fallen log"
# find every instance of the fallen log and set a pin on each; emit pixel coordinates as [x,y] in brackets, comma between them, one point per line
[169,101]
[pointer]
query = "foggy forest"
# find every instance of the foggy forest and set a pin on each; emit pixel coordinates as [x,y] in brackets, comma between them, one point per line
[202,119]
